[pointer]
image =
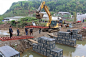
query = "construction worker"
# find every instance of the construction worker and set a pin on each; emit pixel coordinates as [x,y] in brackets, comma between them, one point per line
[10,31]
[18,32]
[39,30]
[31,31]
[71,34]
[26,30]
[83,20]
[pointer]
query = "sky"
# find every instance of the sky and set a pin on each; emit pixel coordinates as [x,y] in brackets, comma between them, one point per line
[6,4]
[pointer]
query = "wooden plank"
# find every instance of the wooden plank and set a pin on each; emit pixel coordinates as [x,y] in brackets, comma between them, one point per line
[32,40]
[51,35]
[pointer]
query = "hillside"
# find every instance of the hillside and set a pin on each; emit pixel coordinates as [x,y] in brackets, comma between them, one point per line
[24,8]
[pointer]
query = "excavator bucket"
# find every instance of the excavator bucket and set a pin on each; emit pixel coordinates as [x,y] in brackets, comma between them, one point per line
[39,15]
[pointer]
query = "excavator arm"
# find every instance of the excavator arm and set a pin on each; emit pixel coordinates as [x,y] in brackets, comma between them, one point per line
[39,15]
[41,7]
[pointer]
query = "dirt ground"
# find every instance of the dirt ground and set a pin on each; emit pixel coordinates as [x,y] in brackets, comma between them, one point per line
[21,45]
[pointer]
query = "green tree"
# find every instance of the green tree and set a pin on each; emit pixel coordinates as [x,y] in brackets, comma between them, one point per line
[27,7]
[52,13]
[13,23]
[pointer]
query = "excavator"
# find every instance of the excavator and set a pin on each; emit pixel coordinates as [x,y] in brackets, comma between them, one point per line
[53,25]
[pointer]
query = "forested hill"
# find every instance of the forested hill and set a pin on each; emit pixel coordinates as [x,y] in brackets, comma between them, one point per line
[29,7]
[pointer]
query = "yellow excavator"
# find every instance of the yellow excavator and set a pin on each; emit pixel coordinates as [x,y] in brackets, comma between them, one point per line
[53,25]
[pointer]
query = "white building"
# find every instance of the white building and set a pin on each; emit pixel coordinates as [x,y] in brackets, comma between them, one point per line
[45,16]
[81,17]
[16,18]
[62,13]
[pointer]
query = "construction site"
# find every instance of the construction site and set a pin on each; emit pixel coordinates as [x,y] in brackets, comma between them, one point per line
[58,38]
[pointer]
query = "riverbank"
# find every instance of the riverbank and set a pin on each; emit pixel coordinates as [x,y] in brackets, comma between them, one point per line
[21,45]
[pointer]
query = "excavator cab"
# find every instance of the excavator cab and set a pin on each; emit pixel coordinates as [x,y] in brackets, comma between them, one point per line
[53,23]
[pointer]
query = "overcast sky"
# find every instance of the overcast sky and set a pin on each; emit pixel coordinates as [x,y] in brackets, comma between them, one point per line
[5,5]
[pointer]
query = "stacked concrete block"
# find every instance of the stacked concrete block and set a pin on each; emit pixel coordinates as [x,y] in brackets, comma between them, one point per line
[64,38]
[46,47]
[75,34]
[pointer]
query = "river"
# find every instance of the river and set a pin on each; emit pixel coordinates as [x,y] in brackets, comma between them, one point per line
[4,33]
[80,50]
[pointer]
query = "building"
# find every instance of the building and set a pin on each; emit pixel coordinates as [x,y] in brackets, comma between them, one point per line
[16,18]
[64,15]
[81,17]
[7,51]
[45,16]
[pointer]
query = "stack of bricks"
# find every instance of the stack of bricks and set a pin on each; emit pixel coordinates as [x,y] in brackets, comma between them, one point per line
[46,47]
